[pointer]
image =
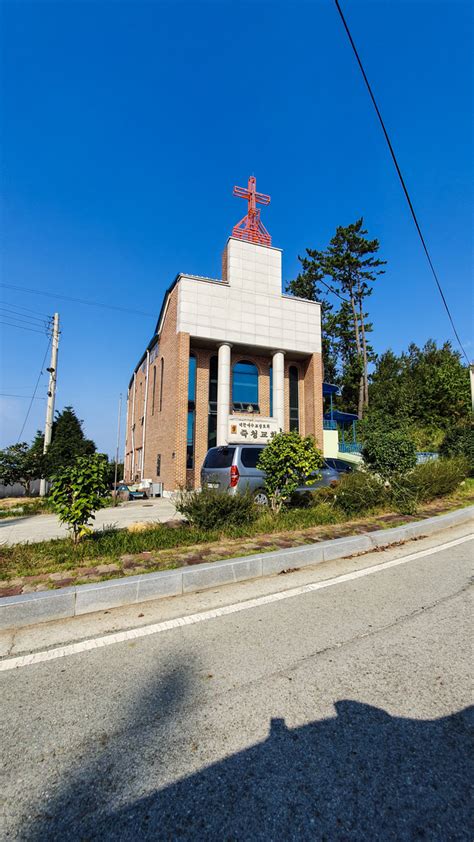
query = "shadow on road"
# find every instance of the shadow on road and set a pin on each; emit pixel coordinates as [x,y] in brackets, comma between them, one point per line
[360,775]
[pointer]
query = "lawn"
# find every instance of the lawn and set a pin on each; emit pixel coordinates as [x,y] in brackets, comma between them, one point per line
[25,568]
[23,507]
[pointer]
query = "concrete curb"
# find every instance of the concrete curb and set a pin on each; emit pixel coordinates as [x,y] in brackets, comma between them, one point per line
[28,609]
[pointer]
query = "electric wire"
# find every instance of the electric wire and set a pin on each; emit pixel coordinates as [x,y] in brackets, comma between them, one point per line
[78,300]
[22,327]
[44,322]
[26,397]
[28,309]
[34,391]
[24,316]
[400,176]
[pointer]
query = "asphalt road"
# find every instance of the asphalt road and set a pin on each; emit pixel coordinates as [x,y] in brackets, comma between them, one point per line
[45,527]
[335,714]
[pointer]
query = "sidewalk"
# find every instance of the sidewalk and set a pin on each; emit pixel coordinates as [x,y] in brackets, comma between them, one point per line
[44,527]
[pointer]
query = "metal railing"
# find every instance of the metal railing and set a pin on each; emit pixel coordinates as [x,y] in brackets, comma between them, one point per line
[350,447]
[425,456]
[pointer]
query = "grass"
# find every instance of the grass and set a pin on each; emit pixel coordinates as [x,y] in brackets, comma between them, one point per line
[121,552]
[14,507]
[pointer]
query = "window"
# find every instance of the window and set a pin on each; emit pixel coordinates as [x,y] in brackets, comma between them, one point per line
[192,379]
[270,371]
[245,386]
[294,398]
[190,440]
[158,465]
[219,457]
[191,413]
[250,456]
[162,371]
[153,391]
[212,413]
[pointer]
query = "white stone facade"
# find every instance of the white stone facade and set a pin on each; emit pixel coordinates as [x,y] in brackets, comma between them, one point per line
[249,308]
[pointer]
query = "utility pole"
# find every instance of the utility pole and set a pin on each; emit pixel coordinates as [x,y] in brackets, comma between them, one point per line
[53,369]
[118,445]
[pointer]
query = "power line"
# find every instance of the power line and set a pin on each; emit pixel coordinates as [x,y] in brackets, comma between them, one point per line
[24,316]
[28,309]
[34,391]
[402,180]
[27,397]
[15,318]
[21,327]
[78,300]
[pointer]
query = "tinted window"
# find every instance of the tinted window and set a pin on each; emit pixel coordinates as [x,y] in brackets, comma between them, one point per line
[342,466]
[294,401]
[220,457]
[250,456]
[245,383]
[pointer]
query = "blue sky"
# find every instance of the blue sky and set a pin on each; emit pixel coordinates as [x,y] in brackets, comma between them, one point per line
[126,124]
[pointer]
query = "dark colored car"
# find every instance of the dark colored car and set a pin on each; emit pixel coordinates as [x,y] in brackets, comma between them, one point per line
[233,468]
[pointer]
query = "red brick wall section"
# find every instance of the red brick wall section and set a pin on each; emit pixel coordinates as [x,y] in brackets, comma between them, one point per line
[165,427]
[313,398]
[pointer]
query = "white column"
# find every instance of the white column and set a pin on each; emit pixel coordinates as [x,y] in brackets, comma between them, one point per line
[223,392]
[278,366]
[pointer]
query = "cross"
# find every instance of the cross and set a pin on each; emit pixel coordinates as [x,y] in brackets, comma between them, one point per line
[251,228]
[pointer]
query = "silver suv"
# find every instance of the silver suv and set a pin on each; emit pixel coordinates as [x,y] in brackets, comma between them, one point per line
[233,468]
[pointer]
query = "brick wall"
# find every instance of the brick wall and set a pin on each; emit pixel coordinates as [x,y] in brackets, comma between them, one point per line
[167,413]
[166,421]
[313,398]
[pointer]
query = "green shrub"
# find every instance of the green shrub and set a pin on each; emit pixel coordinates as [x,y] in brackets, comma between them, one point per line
[355,493]
[78,491]
[288,461]
[359,492]
[212,509]
[324,495]
[459,441]
[436,478]
[389,453]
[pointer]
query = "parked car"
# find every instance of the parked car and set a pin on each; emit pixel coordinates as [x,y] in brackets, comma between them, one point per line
[233,468]
[125,492]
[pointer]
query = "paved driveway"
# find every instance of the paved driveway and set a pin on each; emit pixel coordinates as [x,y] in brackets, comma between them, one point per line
[44,527]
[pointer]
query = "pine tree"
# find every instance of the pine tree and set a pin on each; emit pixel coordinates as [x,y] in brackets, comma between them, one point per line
[67,442]
[308,285]
[349,261]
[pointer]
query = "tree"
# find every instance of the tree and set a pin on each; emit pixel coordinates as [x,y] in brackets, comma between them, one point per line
[78,491]
[288,461]
[425,388]
[17,465]
[350,262]
[345,270]
[308,285]
[67,442]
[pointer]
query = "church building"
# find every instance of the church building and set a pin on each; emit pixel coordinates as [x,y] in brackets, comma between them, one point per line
[232,359]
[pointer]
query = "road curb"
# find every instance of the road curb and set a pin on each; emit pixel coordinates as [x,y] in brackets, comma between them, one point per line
[44,606]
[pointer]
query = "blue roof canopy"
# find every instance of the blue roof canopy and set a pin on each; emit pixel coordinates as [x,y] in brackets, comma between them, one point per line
[341,417]
[330,389]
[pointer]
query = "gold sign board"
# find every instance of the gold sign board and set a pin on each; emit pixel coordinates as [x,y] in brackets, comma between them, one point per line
[256,430]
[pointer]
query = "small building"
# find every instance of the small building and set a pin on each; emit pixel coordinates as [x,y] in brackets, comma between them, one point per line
[231,359]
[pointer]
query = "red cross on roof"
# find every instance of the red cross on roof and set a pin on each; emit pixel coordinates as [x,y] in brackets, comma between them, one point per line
[251,228]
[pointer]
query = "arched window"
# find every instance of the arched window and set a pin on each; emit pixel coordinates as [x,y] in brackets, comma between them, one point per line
[212,413]
[245,386]
[190,436]
[294,399]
